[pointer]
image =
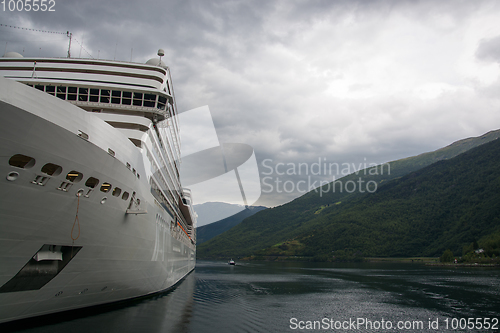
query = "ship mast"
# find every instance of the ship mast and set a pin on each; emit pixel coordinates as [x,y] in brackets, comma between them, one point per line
[70,35]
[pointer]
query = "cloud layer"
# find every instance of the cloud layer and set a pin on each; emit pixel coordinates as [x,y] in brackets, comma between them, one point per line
[346,81]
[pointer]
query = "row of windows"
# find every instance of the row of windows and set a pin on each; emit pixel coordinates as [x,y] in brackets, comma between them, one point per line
[159,176]
[54,170]
[105,96]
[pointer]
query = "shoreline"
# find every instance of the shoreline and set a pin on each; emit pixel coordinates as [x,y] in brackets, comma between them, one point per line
[427,261]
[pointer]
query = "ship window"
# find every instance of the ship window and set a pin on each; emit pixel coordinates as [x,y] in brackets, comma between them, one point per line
[125,195]
[116,94]
[83,94]
[127,98]
[22,161]
[128,165]
[74,176]
[104,96]
[138,99]
[168,86]
[106,187]
[52,169]
[61,92]
[94,95]
[92,182]
[40,87]
[116,192]
[161,102]
[50,89]
[72,93]
[149,100]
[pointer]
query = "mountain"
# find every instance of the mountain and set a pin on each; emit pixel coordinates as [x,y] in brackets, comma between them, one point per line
[209,231]
[448,204]
[210,212]
[291,225]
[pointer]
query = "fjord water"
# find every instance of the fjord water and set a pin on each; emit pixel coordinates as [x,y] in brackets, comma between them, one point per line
[285,297]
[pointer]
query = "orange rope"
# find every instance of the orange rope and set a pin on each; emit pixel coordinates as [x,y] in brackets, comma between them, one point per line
[77,222]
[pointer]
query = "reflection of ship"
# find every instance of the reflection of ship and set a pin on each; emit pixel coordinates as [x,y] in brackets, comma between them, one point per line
[92,210]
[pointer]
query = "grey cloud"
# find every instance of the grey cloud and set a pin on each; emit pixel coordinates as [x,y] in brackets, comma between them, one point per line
[489,49]
[266,70]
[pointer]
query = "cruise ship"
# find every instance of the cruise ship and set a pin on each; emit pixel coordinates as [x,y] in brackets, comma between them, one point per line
[92,210]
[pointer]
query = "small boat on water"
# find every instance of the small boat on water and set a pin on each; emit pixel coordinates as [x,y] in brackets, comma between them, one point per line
[231,262]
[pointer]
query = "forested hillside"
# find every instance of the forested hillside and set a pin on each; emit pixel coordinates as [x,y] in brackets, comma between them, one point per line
[447,204]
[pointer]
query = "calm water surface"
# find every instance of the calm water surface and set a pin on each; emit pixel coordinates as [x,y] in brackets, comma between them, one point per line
[285,297]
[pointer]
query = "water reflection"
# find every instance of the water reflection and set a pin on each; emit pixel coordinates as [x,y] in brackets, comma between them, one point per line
[264,297]
[168,312]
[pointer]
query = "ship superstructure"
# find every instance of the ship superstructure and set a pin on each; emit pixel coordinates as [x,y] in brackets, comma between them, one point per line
[92,209]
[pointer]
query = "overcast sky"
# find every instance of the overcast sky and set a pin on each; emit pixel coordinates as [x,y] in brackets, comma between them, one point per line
[342,81]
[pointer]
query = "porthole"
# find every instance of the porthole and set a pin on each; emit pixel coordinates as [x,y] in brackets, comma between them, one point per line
[92,182]
[52,169]
[22,161]
[125,195]
[103,200]
[74,176]
[12,176]
[116,192]
[106,187]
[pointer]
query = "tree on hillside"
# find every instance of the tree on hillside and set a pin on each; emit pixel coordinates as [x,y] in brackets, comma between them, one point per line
[447,256]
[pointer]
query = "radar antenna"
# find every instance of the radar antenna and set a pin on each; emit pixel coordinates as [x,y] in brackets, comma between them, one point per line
[161,53]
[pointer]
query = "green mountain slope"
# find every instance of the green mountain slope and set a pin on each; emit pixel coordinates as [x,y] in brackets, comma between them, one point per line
[209,231]
[296,219]
[448,204]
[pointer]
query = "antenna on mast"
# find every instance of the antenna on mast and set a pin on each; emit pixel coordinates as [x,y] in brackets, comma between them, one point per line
[70,35]
[161,53]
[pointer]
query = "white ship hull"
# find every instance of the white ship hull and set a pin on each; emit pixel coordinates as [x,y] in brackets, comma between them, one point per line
[108,254]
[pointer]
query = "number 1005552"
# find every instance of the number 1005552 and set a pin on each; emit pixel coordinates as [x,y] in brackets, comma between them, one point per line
[28,5]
